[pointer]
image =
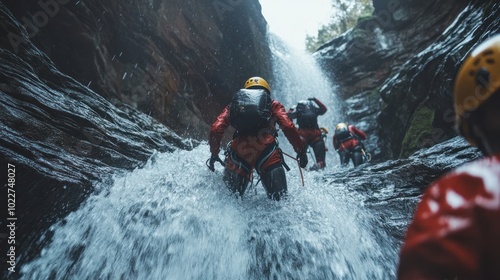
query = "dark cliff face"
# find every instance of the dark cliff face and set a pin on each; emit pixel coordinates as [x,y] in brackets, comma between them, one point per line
[177,61]
[400,64]
[75,76]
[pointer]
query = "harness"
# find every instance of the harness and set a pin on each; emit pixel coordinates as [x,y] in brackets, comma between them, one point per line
[263,157]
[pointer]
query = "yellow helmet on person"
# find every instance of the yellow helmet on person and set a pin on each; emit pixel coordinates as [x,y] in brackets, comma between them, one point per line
[476,81]
[341,126]
[257,82]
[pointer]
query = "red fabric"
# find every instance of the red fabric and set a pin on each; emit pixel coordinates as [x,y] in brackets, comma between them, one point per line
[455,233]
[217,131]
[250,150]
[310,135]
[254,144]
[352,143]
[286,125]
[322,107]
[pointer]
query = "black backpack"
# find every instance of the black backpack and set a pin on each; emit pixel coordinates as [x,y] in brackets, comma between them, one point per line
[343,134]
[305,109]
[306,114]
[250,110]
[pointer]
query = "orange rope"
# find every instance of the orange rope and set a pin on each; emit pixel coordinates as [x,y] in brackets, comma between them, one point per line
[298,163]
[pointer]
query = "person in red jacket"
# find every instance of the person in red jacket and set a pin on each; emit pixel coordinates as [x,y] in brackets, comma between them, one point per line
[346,141]
[257,150]
[306,112]
[455,232]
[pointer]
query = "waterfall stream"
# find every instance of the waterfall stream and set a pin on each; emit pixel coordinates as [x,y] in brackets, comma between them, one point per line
[173,219]
[297,76]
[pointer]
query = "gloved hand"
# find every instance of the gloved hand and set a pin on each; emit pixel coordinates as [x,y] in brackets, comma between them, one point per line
[302,157]
[212,161]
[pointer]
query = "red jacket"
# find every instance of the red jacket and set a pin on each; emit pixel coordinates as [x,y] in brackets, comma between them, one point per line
[278,116]
[352,142]
[455,233]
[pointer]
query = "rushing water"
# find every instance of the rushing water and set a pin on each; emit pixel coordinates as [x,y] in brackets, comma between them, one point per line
[173,219]
[297,76]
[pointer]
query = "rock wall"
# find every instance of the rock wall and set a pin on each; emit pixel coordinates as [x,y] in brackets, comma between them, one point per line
[395,70]
[392,189]
[177,61]
[58,137]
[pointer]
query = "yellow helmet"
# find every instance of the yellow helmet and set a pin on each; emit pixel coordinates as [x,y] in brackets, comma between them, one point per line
[341,126]
[257,82]
[477,79]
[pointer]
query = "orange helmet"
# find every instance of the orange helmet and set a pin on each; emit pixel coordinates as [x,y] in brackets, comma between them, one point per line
[257,82]
[476,81]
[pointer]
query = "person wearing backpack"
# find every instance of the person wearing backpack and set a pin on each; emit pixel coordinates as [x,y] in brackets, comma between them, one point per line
[346,141]
[306,112]
[254,115]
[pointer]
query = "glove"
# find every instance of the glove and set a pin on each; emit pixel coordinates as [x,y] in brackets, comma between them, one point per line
[212,161]
[302,157]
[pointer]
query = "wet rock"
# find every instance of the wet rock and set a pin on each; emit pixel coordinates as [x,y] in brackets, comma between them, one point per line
[424,84]
[177,61]
[61,136]
[392,189]
[362,110]
[363,58]
[408,53]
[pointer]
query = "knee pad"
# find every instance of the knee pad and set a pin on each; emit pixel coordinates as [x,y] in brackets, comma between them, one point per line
[274,181]
[357,157]
[319,150]
[236,183]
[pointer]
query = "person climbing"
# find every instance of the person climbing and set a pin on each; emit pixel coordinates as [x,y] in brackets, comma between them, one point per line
[456,228]
[347,142]
[254,114]
[306,112]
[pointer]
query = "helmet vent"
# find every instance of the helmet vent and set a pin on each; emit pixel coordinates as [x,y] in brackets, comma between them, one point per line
[483,77]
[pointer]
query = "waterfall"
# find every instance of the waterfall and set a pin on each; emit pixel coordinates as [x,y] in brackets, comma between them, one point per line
[174,219]
[297,76]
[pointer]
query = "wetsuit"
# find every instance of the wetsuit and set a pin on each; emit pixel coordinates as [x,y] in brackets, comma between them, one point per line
[307,119]
[259,151]
[349,148]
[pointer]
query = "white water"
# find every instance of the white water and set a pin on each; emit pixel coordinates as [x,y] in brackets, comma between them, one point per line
[297,77]
[173,219]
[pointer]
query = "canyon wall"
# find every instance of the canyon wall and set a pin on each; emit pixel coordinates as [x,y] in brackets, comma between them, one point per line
[395,70]
[177,61]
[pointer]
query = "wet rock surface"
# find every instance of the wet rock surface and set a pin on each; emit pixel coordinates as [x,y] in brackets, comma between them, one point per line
[392,189]
[61,136]
[408,55]
[177,61]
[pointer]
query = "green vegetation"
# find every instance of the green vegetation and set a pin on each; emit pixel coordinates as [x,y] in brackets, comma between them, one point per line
[420,128]
[347,14]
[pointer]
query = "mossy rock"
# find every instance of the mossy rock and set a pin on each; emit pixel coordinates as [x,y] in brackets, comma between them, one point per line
[420,128]
[364,19]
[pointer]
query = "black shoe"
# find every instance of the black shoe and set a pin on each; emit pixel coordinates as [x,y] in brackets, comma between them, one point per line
[317,167]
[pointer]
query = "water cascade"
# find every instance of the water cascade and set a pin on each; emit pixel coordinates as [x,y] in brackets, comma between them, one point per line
[297,76]
[173,219]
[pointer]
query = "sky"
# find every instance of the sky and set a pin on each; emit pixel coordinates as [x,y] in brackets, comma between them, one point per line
[292,20]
